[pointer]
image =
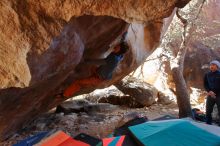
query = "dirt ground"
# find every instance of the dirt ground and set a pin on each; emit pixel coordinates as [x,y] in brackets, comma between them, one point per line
[98,124]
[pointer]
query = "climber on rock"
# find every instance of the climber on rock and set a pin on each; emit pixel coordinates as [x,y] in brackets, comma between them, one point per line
[102,72]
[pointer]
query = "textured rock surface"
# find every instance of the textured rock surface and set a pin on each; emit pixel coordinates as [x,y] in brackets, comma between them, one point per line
[127,101]
[41,43]
[77,106]
[143,93]
[51,70]
[140,91]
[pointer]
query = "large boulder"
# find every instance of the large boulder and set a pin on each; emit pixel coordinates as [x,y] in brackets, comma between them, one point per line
[141,92]
[126,101]
[113,96]
[43,45]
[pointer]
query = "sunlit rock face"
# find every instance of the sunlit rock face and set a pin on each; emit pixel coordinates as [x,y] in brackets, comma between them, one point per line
[44,44]
[203,47]
[206,48]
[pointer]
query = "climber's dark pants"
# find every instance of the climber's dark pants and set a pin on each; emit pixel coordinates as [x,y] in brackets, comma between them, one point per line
[210,102]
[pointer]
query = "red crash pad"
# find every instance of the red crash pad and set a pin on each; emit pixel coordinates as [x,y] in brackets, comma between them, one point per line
[113,141]
[61,139]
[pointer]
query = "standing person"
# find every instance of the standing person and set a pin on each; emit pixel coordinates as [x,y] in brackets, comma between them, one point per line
[212,86]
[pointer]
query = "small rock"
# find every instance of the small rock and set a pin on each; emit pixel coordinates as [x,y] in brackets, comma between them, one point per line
[127,117]
[100,107]
[72,115]
[163,99]
[164,110]
[101,123]
[74,106]
[61,114]
[40,126]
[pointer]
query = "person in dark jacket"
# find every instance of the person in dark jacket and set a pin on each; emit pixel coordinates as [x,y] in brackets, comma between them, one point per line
[212,86]
[102,73]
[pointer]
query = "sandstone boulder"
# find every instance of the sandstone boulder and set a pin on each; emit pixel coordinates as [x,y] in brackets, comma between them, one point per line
[142,92]
[43,46]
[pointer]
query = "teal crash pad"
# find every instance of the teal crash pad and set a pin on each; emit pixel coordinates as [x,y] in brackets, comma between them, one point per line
[173,133]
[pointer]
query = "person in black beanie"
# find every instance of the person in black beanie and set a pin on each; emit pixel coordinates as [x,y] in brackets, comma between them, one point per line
[212,86]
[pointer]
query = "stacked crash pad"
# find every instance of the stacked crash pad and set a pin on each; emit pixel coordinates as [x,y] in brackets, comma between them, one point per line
[140,132]
[32,139]
[61,139]
[124,130]
[173,133]
[87,139]
[113,141]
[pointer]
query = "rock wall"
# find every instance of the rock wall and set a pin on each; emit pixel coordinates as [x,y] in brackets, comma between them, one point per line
[43,45]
